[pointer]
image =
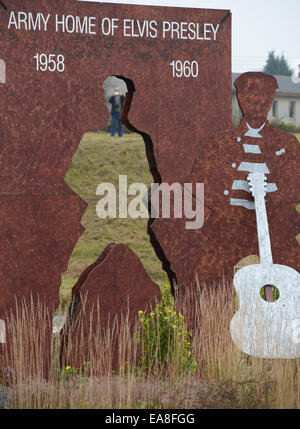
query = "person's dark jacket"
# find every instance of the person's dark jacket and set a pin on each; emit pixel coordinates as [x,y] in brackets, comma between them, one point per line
[112,100]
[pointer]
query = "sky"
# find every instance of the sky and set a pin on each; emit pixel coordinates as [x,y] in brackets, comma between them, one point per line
[258,27]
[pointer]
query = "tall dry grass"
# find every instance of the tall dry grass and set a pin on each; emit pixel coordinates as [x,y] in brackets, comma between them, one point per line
[225,378]
[254,382]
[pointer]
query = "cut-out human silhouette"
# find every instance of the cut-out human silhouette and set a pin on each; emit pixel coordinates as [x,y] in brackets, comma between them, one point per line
[229,232]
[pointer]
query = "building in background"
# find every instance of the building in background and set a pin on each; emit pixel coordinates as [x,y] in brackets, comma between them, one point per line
[286,104]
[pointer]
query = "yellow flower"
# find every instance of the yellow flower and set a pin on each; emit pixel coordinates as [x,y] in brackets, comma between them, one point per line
[140,312]
[68,368]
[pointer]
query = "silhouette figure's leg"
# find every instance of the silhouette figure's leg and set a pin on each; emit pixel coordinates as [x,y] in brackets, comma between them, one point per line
[120,126]
[113,124]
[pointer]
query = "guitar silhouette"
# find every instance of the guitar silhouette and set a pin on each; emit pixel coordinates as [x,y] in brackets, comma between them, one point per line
[260,328]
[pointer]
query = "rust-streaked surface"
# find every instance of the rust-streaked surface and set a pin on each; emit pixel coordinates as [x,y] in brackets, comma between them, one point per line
[117,286]
[44,116]
[229,233]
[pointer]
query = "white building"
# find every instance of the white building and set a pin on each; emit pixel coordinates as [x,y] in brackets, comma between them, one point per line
[286,104]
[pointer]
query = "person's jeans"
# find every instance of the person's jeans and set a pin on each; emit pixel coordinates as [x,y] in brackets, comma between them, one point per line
[115,118]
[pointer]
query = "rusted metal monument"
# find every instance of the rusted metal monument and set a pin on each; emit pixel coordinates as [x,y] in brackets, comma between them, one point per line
[177,66]
[57,55]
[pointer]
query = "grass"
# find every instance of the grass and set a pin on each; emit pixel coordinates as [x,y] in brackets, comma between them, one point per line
[101,158]
[225,377]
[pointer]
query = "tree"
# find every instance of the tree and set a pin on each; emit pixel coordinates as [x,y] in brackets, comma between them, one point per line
[277,65]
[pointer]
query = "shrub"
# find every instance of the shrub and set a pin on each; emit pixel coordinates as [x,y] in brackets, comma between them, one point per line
[165,340]
[291,128]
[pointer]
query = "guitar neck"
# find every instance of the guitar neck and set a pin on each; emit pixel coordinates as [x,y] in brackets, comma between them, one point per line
[264,243]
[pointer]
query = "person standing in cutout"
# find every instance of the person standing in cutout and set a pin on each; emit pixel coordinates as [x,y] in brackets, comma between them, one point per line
[116,101]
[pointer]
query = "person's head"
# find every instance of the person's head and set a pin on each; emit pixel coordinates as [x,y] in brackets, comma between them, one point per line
[117,91]
[255,93]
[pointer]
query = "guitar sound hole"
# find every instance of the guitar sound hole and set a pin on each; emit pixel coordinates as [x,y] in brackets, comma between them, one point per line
[269,293]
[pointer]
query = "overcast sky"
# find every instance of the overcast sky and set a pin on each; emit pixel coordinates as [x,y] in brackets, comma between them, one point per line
[258,27]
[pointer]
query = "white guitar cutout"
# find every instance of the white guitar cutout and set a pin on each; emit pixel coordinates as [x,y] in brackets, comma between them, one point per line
[260,328]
